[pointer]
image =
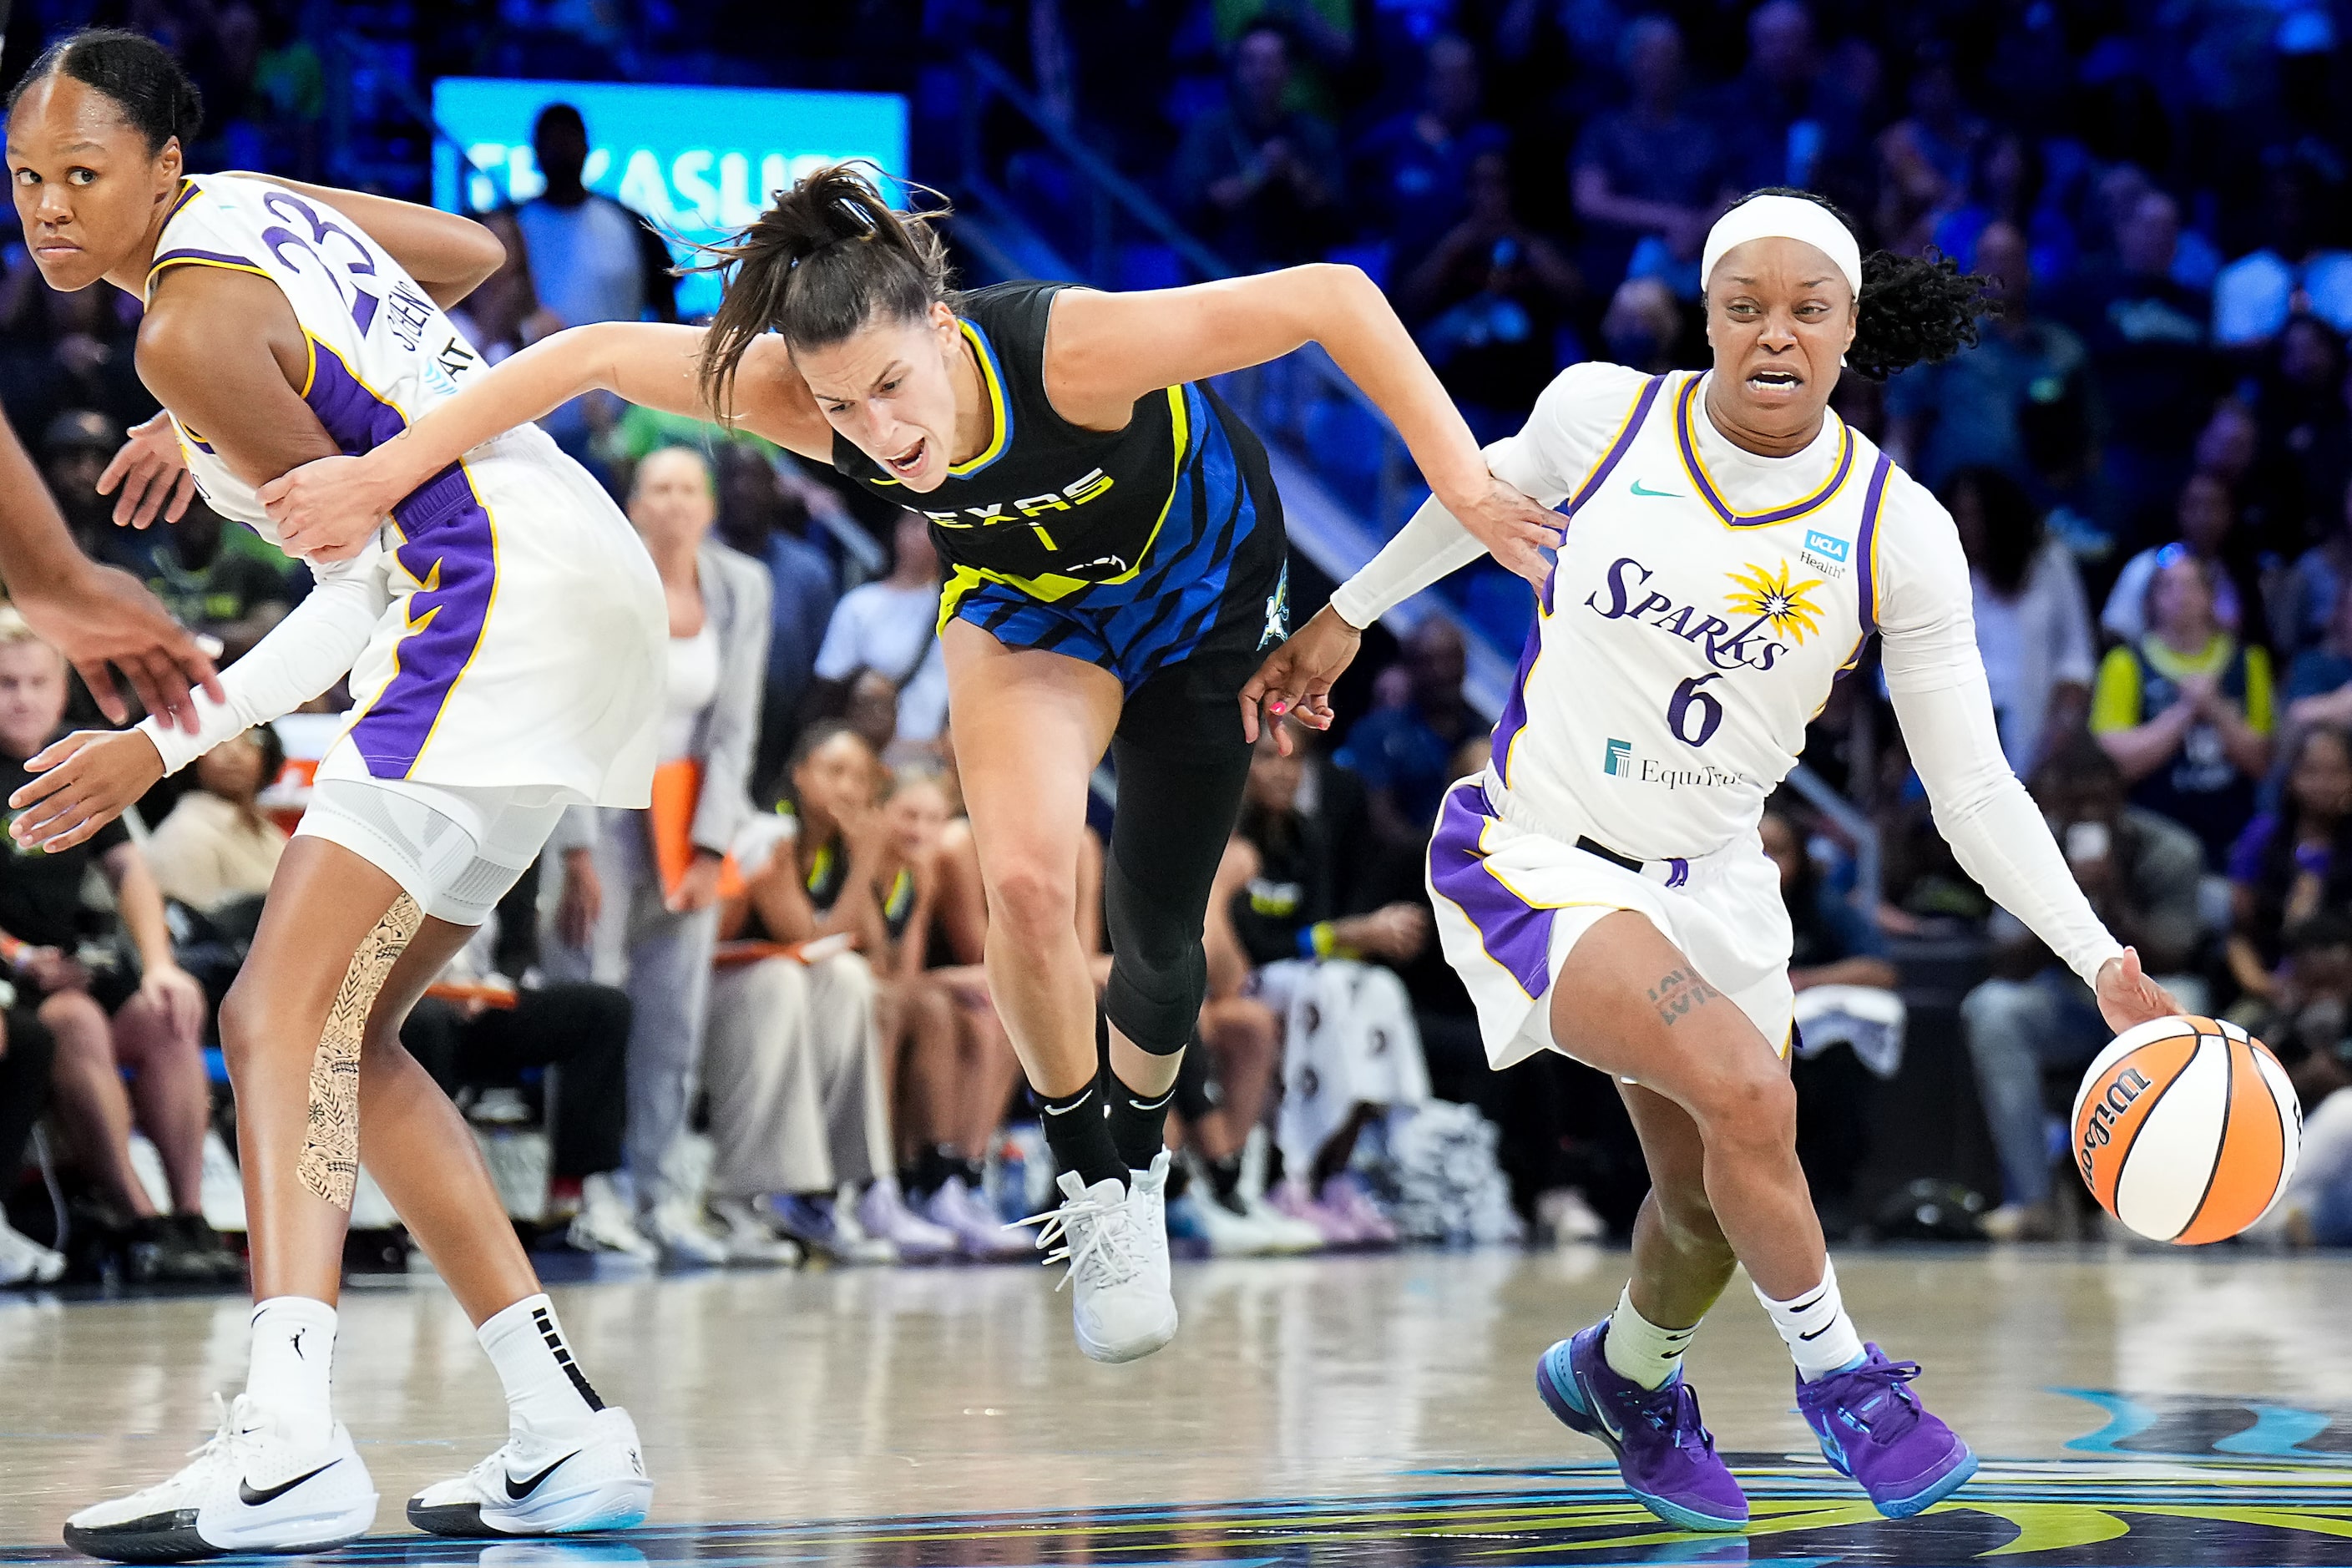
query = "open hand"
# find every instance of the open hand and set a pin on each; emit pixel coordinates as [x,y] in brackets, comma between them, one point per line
[151,472]
[105,620]
[327,510]
[84,782]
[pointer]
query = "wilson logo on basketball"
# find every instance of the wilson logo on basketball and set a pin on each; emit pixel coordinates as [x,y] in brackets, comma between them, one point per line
[2098,1128]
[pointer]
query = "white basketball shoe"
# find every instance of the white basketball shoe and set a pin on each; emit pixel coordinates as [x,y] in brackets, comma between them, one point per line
[248,1488]
[1114,1237]
[532,1487]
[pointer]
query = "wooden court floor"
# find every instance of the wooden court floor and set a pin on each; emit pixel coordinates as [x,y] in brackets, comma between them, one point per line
[2131,1408]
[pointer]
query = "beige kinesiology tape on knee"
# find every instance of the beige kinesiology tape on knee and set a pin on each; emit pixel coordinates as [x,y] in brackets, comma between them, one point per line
[329,1165]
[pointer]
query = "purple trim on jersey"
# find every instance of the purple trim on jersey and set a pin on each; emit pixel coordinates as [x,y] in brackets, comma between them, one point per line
[1683,439]
[1515,934]
[447,544]
[1514,716]
[1618,449]
[1679,873]
[213,257]
[1865,546]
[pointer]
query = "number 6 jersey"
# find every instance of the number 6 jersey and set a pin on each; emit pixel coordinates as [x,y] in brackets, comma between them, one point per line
[506,631]
[1704,600]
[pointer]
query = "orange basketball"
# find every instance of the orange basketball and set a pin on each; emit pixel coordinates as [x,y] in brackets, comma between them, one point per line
[2186,1129]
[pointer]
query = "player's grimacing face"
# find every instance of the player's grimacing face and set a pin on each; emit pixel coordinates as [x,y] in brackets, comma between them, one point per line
[890,388]
[1780,316]
[86,186]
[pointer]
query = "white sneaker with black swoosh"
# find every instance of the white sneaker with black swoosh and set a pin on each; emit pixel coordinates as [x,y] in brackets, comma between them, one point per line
[248,1488]
[595,1481]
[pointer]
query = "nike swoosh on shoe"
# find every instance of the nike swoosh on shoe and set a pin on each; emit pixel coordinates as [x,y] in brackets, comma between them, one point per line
[247,1495]
[518,1490]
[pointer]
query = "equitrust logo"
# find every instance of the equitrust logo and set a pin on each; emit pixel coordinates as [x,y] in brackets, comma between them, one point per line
[1616,761]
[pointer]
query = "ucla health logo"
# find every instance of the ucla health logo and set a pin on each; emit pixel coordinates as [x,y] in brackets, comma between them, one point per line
[1824,552]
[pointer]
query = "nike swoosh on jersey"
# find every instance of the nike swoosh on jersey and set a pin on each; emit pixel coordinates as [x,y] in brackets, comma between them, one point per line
[518,1490]
[1670,495]
[252,1499]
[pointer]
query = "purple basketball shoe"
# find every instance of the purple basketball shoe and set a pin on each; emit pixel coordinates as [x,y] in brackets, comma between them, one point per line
[1874,1428]
[1664,1451]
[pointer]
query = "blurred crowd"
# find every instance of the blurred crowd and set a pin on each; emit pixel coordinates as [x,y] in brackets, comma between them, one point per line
[753,1023]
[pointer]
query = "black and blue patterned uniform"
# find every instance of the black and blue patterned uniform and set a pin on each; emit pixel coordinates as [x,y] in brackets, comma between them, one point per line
[1133,549]
[1155,551]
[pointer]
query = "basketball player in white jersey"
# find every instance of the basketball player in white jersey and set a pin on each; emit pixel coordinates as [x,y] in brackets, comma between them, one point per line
[1602,889]
[502,641]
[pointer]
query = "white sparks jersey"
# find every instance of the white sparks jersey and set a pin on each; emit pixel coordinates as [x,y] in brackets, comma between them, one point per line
[1703,602]
[508,629]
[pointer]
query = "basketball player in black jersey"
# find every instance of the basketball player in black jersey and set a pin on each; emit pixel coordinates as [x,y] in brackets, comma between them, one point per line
[1115,561]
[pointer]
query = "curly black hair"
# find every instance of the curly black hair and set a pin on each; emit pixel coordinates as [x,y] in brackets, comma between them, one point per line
[1914,309]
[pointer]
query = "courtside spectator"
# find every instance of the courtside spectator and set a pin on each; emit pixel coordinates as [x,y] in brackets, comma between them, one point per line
[2187,710]
[217,846]
[128,1021]
[2034,625]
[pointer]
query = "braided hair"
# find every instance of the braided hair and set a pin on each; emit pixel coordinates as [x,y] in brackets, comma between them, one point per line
[1913,310]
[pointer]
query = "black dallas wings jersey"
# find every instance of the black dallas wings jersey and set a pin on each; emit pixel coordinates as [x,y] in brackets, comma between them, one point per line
[1131,549]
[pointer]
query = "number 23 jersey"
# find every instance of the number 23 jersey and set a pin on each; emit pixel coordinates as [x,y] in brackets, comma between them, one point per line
[506,630]
[1703,602]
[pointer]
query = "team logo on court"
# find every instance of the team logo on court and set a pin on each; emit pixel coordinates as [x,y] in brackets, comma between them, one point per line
[1787,605]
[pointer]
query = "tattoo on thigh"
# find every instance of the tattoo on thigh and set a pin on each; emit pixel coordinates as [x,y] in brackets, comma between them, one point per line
[329,1165]
[1680,991]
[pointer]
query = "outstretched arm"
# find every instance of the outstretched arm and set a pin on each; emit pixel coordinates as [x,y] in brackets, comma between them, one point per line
[85,780]
[327,511]
[1937,678]
[1105,351]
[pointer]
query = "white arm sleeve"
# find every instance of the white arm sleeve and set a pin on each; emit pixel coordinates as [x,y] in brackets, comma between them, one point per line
[1572,424]
[314,646]
[1937,678]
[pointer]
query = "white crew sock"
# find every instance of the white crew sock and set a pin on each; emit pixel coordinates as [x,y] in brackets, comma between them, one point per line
[1638,1350]
[1820,1336]
[293,1359]
[548,1396]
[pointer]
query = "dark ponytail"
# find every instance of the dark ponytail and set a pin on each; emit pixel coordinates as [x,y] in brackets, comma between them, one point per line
[825,259]
[1914,309]
[138,74]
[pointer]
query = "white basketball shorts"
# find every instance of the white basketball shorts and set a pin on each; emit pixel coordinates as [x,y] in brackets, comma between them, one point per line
[1512,902]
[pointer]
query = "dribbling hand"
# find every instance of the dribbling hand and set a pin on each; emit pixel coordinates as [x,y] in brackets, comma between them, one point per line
[2127,998]
[327,510]
[1515,530]
[1294,681]
[152,473]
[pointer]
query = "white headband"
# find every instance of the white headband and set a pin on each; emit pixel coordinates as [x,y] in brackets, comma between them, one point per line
[1783,218]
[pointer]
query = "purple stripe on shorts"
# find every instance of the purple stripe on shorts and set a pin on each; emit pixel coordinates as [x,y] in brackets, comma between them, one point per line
[448,545]
[1515,935]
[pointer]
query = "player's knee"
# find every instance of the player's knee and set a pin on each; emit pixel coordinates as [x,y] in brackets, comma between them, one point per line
[244,1024]
[1033,905]
[1746,1109]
